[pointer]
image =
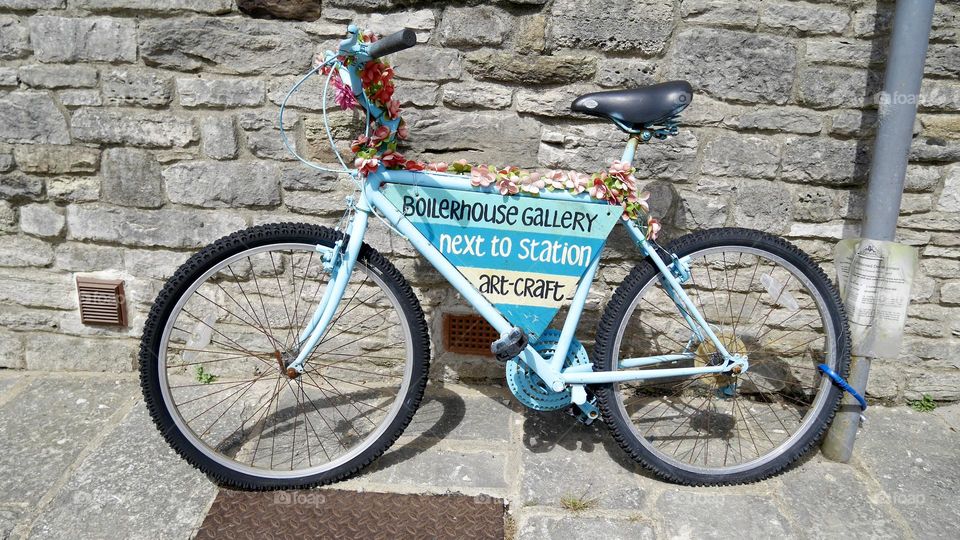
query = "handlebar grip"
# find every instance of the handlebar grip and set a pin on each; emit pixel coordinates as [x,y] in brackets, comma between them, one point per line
[395,42]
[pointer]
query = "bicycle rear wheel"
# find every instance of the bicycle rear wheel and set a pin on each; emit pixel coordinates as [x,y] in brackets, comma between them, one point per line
[217,342]
[762,297]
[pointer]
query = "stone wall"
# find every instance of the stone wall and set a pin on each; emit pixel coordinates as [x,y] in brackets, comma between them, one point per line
[134,132]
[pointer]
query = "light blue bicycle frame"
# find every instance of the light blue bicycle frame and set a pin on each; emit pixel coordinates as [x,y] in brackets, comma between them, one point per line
[340,261]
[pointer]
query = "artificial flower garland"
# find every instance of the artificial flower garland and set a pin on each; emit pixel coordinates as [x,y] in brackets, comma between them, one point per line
[616,185]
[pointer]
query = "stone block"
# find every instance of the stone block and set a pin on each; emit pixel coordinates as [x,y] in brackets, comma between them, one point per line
[131,86]
[427,63]
[131,177]
[42,220]
[8,76]
[738,155]
[214,184]
[11,356]
[422,21]
[43,159]
[215,7]
[73,188]
[844,52]
[6,162]
[530,35]
[224,45]
[14,38]
[220,92]
[314,203]
[135,227]
[19,187]
[474,26]
[417,93]
[97,39]
[303,10]
[939,96]
[33,118]
[219,137]
[32,4]
[299,178]
[506,67]
[737,13]
[699,212]
[37,288]
[831,87]
[477,94]
[20,250]
[765,206]
[943,59]
[949,200]
[489,136]
[825,161]
[735,65]
[819,204]
[44,76]
[8,217]
[625,72]
[619,25]
[134,128]
[153,264]
[805,17]
[79,257]
[444,469]
[780,119]
[267,144]
[553,102]
[80,98]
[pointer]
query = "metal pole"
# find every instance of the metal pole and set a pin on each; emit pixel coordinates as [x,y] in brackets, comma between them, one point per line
[888,167]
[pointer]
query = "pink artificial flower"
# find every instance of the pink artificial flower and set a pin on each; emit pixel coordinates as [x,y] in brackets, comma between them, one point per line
[393,160]
[621,166]
[438,167]
[599,190]
[393,108]
[557,180]
[403,131]
[369,36]
[359,143]
[366,166]
[343,95]
[482,177]
[532,183]
[413,165]
[379,135]
[578,182]
[643,199]
[507,186]
[653,228]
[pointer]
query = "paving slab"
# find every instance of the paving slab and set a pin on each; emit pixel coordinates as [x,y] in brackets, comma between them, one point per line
[563,458]
[451,414]
[720,513]
[132,486]
[435,468]
[7,382]
[10,516]
[47,425]
[539,527]
[950,414]
[913,456]
[830,500]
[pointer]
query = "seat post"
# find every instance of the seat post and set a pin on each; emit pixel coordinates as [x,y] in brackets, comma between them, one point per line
[631,149]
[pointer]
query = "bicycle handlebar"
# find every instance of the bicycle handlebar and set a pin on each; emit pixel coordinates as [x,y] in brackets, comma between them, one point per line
[395,42]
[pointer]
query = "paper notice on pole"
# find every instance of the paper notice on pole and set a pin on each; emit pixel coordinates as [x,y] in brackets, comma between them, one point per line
[875,279]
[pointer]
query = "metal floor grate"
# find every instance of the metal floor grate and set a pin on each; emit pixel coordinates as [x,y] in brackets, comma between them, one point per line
[325,513]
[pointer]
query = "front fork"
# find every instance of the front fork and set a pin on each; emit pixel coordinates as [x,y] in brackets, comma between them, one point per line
[339,262]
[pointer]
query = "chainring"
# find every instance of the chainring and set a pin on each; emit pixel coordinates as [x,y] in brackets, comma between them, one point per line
[529,388]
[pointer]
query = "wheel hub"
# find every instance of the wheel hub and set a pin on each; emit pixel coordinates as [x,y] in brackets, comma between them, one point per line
[707,355]
[284,359]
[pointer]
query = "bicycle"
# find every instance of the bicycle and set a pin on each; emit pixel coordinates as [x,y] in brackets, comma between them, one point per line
[292,355]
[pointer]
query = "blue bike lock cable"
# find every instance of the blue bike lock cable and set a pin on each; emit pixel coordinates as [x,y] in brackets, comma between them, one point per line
[843,384]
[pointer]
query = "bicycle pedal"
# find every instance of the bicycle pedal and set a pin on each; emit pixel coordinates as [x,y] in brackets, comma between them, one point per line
[510,344]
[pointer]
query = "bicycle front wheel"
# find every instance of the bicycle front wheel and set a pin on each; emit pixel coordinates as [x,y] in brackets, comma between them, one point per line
[223,330]
[763,298]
